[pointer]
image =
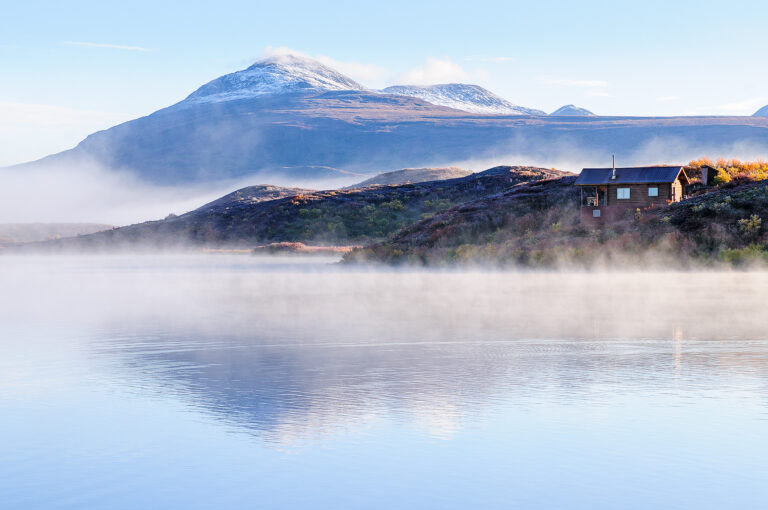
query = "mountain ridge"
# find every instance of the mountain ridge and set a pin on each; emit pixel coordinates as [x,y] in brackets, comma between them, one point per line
[322,125]
[411,175]
[462,96]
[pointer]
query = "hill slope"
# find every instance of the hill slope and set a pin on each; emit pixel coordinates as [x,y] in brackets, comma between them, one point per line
[762,112]
[537,225]
[408,175]
[249,196]
[350,216]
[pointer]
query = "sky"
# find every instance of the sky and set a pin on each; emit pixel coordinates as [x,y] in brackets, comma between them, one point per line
[68,69]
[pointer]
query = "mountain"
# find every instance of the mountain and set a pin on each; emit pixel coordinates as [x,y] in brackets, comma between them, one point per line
[460,96]
[280,74]
[572,111]
[248,216]
[408,175]
[293,121]
[762,112]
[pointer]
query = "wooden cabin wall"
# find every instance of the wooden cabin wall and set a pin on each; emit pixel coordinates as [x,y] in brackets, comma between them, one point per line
[678,188]
[638,195]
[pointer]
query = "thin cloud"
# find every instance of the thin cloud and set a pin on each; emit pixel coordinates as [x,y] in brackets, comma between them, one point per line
[575,83]
[489,58]
[665,99]
[744,107]
[435,71]
[29,131]
[591,88]
[106,45]
[50,115]
[368,74]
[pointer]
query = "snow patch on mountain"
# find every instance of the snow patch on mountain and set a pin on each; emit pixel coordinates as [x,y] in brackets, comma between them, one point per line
[762,112]
[460,96]
[275,75]
[289,73]
[570,110]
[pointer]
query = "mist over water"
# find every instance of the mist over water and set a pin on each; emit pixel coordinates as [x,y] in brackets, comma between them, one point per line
[89,192]
[213,381]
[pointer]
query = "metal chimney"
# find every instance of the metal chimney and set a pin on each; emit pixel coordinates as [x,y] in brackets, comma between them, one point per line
[613,175]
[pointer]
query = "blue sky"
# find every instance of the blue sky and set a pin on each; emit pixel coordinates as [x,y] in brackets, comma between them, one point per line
[70,68]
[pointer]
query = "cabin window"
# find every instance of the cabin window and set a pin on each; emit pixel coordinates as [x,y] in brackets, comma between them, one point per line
[595,213]
[653,191]
[622,193]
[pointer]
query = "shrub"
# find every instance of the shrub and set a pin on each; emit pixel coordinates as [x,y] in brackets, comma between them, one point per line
[741,256]
[728,169]
[750,227]
[437,204]
[394,205]
[722,177]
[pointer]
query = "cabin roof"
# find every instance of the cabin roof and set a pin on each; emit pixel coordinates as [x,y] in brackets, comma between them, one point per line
[634,175]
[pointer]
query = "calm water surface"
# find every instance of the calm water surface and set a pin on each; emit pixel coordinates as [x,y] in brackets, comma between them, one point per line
[239,382]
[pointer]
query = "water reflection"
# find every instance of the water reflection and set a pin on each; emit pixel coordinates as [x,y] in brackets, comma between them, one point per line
[295,355]
[285,393]
[187,382]
[290,350]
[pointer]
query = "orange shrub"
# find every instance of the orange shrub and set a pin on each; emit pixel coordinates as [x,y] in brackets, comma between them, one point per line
[728,169]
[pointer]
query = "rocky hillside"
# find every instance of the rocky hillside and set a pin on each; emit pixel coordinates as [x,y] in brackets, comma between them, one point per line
[349,216]
[537,225]
[249,196]
[410,175]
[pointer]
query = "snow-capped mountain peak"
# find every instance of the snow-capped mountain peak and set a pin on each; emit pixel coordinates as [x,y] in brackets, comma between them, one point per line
[274,75]
[762,112]
[570,110]
[460,96]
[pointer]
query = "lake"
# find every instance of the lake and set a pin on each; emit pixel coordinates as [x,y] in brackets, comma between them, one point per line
[224,381]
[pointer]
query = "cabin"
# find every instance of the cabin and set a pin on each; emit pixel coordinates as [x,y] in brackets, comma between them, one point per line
[608,193]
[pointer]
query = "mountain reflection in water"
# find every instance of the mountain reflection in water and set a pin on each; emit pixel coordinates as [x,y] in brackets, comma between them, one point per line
[288,392]
[289,351]
[544,389]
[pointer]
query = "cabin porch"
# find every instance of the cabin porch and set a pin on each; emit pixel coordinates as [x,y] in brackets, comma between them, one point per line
[594,196]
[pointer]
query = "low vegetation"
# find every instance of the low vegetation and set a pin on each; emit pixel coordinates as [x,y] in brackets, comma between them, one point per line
[730,169]
[537,225]
[505,216]
[335,217]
